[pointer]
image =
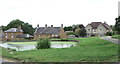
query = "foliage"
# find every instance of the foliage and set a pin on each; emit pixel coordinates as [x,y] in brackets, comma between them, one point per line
[80,32]
[27,28]
[14,24]
[83,32]
[77,31]
[117,25]
[116,36]
[69,28]
[43,44]
[109,34]
[88,50]
[70,33]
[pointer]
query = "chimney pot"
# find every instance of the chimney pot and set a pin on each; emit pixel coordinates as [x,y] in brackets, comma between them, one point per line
[51,25]
[45,25]
[38,25]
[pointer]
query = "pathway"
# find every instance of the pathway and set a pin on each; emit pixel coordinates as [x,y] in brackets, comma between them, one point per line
[108,38]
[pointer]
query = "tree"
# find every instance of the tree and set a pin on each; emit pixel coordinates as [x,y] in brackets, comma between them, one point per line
[26,27]
[14,24]
[69,28]
[117,25]
[80,32]
[83,32]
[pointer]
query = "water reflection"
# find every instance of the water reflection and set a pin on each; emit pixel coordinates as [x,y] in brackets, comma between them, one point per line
[24,47]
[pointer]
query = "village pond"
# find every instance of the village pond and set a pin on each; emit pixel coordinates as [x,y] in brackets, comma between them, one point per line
[24,47]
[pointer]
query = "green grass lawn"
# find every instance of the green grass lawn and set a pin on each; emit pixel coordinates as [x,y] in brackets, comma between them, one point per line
[89,49]
[116,36]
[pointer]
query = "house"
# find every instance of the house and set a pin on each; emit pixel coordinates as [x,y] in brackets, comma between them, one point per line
[1,35]
[11,33]
[49,32]
[97,29]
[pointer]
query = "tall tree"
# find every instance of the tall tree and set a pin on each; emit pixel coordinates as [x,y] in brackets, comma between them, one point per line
[26,27]
[117,25]
[14,24]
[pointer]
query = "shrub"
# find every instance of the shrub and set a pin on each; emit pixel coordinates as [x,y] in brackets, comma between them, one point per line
[109,34]
[43,44]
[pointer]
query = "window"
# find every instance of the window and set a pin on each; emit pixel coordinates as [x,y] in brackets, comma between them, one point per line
[94,30]
[52,35]
[12,36]
[6,36]
[100,29]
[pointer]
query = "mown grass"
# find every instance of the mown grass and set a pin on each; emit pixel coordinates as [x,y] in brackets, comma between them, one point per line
[89,49]
[116,36]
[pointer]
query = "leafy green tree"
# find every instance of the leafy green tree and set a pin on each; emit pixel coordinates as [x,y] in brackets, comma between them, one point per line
[82,32]
[28,29]
[3,28]
[117,25]
[69,28]
[14,24]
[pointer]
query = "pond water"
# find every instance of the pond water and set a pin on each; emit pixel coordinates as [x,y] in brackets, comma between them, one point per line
[24,47]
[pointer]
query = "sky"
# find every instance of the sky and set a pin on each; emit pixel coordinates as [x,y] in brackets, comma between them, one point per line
[57,12]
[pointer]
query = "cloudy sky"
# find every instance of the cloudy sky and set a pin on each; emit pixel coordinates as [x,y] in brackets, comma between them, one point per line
[57,12]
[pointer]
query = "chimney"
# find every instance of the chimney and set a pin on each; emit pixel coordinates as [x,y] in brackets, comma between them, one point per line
[38,26]
[51,25]
[19,27]
[61,25]
[45,25]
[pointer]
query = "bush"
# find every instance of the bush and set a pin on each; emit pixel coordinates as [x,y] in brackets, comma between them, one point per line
[43,44]
[109,34]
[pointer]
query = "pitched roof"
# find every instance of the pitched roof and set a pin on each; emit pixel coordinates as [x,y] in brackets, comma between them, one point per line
[14,30]
[24,36]
[96,24]
[48,30]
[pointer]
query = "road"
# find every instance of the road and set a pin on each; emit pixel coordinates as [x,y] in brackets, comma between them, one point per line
[108,38]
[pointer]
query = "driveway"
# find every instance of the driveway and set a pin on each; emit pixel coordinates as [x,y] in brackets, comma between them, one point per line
[108,38]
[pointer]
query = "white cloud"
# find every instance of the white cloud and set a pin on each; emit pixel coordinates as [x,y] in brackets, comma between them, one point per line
[54,11]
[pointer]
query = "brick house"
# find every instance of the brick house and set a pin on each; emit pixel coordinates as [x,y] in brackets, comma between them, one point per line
[49,32]
[98,29]
[11,33]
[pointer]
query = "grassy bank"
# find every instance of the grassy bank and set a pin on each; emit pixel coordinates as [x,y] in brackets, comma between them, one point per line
[89,49]
[116,36]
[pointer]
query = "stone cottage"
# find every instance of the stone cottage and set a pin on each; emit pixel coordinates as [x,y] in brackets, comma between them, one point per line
[49,32]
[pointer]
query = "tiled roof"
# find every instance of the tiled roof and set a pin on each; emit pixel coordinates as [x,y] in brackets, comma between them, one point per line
[24,36]
[14,30]
[48,30]
[96,24]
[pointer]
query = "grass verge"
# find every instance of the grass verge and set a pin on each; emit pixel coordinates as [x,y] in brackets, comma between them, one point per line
[88,50]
